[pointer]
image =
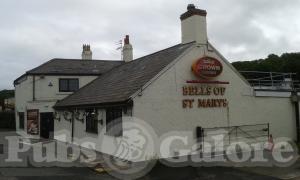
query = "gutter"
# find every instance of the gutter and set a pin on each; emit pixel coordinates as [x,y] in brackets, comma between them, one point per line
[128,102]
[56,74]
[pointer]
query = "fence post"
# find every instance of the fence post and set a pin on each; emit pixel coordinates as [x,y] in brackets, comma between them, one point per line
[271,76]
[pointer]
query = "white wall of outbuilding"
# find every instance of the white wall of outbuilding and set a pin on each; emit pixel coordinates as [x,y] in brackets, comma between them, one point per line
[45,96]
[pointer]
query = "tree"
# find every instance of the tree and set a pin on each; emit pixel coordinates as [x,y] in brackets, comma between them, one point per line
[4,94]
[287,62]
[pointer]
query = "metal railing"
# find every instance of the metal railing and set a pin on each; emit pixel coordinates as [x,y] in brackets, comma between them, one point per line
[272,80]
[257,133]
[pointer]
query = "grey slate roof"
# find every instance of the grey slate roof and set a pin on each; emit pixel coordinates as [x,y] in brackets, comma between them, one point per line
[118,84]
[74,66]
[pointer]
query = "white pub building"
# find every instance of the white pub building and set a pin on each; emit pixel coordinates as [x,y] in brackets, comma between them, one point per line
[189,87]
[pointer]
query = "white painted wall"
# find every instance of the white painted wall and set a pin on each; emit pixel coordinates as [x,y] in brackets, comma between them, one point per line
[44,92]
[194,28]
[23,94]
[127,52]
[80,127]
[161,103]
[103,143]
[46,96]
[62,128]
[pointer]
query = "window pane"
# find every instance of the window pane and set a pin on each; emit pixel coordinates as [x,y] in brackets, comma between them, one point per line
[68,85]
[73,84]
[63,85]
[91,122]
[114,121]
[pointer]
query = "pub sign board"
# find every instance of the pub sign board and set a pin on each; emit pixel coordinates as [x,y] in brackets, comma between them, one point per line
[33,122]
[209,93]
[207,68]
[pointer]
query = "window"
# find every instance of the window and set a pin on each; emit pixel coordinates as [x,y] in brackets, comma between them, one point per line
[91,121]
[114,122]
[68,85]
[21,120]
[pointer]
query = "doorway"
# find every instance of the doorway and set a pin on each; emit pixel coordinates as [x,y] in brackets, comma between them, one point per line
[47,125]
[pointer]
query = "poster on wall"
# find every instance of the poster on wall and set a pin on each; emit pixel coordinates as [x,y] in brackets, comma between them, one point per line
[33,122]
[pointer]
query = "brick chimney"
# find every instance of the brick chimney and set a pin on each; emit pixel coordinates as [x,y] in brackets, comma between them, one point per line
[127,50]
[86,52]
[193,25]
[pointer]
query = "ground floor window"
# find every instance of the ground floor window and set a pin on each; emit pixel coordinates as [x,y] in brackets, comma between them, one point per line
[91,121]
[21,120]
[114,122]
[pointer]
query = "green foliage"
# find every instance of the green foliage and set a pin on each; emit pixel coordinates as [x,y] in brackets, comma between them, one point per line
[6,94]
[7,120]
[287,62]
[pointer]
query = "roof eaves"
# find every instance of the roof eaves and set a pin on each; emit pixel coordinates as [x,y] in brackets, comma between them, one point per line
[127,102]
[16,80]
[66,74]
[62,59]
[31,72]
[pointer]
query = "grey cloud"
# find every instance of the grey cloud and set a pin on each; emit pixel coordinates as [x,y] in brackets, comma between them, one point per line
[254,28]
[34,31]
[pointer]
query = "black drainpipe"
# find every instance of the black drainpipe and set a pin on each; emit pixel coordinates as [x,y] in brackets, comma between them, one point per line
[72,132]
[296,105]
[33,88]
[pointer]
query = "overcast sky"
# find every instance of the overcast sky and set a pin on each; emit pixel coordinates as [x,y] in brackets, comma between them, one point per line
[35,31]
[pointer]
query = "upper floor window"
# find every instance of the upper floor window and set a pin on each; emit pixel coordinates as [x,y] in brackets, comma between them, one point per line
[68,85]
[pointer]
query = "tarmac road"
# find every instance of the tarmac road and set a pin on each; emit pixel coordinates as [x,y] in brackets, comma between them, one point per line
[159,172]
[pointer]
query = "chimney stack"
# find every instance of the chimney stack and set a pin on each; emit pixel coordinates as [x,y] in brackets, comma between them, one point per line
[86,52]
[193,25]
[127,50]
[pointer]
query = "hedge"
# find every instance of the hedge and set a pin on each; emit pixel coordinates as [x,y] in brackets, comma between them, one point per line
[7,120]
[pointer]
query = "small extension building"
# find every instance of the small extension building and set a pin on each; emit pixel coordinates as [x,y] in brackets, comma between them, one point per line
[37,91]
[189,87]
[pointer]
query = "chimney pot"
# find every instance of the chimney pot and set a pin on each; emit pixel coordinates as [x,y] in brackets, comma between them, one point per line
[126,40]
[86,52]
[191,7]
